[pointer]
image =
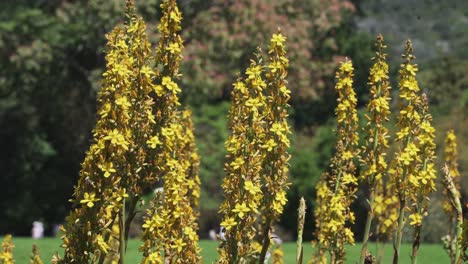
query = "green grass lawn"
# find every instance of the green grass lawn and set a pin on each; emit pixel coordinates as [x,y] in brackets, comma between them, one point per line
[429,253]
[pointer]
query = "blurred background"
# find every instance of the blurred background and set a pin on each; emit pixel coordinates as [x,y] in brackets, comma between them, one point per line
[51,61]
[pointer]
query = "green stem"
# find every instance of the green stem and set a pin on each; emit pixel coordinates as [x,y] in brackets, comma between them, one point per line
[399,231]
[266,242]
[370,216]
[380,254]
[458,255]
[402,197]
[300,230]
[131,214]
[122,234]
[416,243]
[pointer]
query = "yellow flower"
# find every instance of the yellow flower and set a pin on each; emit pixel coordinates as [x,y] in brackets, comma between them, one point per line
[412,69]
[347,155]
[188,231]
[405,158]
[175,16]
[274,66]
[254,102]
[107,168]
[105,110]
[170,85]
[174,48]
[158,89]
[102,245]
[241,209]
[278,40]
[251,188]
[416,219]
[270,144]
[285,91]
[228,223]
[179,245]
[346,66]
[281,197]
[123,102]
[89,199]
[254,72]
[411,149]
[237,163]
[153,142]
[146,70]
[154,258]
[117,139]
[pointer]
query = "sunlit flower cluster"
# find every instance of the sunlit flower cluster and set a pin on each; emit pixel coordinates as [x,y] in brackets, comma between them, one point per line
[451,159]
[170,225]
[242,184]
[6,254]
[257,161]
[451,163]
[406,160]
[413,171]
[376,139]
[336,189]
[35,256]
[135,144]
[376,134]
[423,182]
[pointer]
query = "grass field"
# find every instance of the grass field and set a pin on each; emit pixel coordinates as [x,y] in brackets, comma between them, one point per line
[429,253]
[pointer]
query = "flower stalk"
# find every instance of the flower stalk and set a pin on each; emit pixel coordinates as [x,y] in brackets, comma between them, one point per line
[376,134]
[422,184]
[406,158]
[454,198]
[6,254]
[275,149]
[336,190]
[451,159]
[300,230]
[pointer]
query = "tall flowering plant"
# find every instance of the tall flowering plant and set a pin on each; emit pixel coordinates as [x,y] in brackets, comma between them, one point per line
[451,161]
[376,138]
[336,189]
[138,140]
[257,161]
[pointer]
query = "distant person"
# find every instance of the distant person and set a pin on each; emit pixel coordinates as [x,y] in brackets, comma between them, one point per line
[37,231]
[212,234]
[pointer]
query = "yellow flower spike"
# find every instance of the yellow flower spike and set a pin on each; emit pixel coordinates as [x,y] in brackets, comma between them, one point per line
[277,256]
[336,190]
[134,106]
[6,254]
[242,193]
[451,161]
[410,173]
[174,209]
[276,142]
[35,257]
[423,184]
